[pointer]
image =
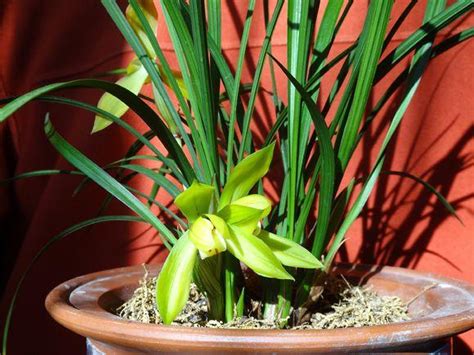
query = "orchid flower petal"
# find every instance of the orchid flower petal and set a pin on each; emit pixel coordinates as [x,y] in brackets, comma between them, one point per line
[133,82]
[246,218]
[290,253]
[195,200]
[245,175]
[258,202]
[254,253]
[174,280]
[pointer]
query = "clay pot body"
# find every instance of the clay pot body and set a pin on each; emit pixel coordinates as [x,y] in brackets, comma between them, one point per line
[84,306]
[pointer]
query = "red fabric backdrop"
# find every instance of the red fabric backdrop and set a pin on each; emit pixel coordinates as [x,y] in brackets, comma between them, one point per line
[43,42]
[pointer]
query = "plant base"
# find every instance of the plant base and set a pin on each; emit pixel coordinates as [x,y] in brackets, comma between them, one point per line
[342,305]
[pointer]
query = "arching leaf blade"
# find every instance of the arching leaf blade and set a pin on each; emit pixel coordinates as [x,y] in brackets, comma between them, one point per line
[104,180]
[65,233]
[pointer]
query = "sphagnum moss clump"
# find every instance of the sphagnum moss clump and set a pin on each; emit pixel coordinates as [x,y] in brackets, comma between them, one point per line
[342,306]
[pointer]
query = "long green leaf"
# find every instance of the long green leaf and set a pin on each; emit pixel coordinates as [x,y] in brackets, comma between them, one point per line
[107,182]
[37,173]
[301,19]
[325,36]
[214,30]
[155,176]
[142,53]
[151,201]
[400,79]
[171,80]
[420,36]
[246,134]
[142,139]
[208,101]
[327,157]
[417,67]
[188,62]
[238,75]
[65,233]
[135,103]
[379,12]
[429,187]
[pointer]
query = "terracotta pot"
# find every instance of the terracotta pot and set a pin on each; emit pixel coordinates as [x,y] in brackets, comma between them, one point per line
[84,306]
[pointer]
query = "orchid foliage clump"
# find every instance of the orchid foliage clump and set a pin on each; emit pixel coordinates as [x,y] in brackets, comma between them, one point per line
[211,164]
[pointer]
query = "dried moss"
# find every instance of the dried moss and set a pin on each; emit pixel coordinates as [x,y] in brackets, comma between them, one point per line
[141,307]
[341,306]
[359,307]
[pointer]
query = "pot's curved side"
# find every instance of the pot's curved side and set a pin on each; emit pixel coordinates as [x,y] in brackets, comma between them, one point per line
[82,305]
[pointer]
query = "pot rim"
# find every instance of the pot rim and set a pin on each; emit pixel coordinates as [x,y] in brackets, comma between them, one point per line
[88,318]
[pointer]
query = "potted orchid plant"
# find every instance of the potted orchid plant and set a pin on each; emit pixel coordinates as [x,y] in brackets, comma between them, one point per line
[212,166]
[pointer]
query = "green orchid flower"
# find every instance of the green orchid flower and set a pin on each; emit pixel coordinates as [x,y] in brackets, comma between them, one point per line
[136,76]
[230,223]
